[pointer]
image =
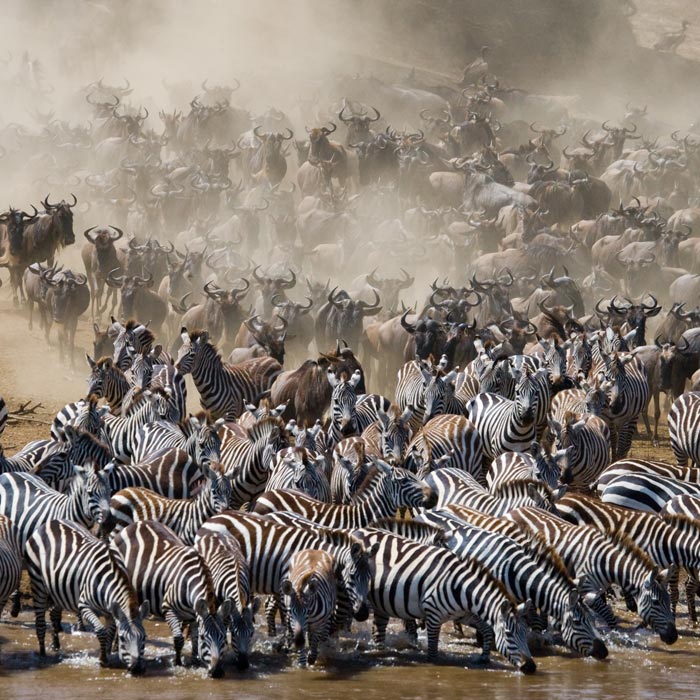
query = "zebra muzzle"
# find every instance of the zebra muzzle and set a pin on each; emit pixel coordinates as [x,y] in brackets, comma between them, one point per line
[599,650]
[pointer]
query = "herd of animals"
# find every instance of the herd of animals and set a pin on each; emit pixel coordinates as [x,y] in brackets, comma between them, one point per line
[489,483]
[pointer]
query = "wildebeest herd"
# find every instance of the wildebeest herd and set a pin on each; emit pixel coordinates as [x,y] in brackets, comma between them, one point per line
[284,262]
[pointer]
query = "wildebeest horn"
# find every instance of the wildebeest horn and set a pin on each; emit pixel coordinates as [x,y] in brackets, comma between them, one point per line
[288,284]
[409,327]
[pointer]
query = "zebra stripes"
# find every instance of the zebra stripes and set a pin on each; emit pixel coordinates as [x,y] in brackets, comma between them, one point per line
[297,468]
[683,421]
[183,517]
[223,389]
[386,489]
[538,464]
[3,415]
[606,560]
[389,435]
[647,492]
[10,560]
[416,581]
[174,579]
[71,569]
[343,411]
[107,382]
[309,597]
[82,415]
[646,466]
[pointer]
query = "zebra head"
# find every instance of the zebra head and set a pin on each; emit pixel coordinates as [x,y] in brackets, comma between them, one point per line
[395,432]
[615,374]
[212,635]
[437,389]
[297,604]
[241,626]
[354,571]
[654,607]
[526,392]
[549,466]
[217,487]
[100,372]
[578,631]
[511,636]
[131,637]
[192,345]
[405,489]
[343,400]
[95,493]
[596,394]
[208,443]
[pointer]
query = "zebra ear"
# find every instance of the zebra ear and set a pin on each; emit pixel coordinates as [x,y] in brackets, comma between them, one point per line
[287,588]
[80,471]
[355,379]
[505,608]
[144,610]
[573,598]
[184,335]
[332,379]
[224,609]
[116,612]
[201,608]
[90,361]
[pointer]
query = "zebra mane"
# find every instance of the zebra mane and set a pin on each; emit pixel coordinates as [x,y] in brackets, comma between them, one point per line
[263,426]
[201,334]
[620,539]
[682,522]
[521,484]
[107,358]
[538,548]
[366,484]
[339,538]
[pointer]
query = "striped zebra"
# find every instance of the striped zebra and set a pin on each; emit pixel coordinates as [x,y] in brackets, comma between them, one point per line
[309,597]
[297,468]
[183,516]
[606,560]
[223,389]
[647,466]
[537,464]
[416,530]
[268,548]
[70,569]
[683,421]
[450,435]
[385,490]
[414,581]
[229,573]
[528,573]
[389,435]
[427,389]
[131,338]
[350,469]
[579,356]
[628,396]
[505,425]
[170,473]
[29,502]
[646,492]
[587,442]
[343,410]
[107,382]
[83,415]
[10,560]
[455,486]
[590,398]
[368,407]
[121,431]
[688,506]
[197,437]
[247,455]
[668,543]
[175,581]
[166,377]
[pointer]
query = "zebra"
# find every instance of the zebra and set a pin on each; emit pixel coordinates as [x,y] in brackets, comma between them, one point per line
[183,517]
[4,413]
[587,441]
[107,382]
[343,410]
[628,395]
[132,338]
[30,456]
[368,407]
[646,492]
[448,434]
[246,457]
[536,464]
[231,580]
[389,435]
[223,389]
[71,569]
[590,398]
[683,420]
[419,531]
[668,543]
[309,597]
[606,560]
[682,505]
[416,581]
[385,489]
[297,468]
[350,469]
[175,581]
[165,376]
[29,501]
[268,547]
[84,415]
[455,486]
[528,573]
[506,425]
[171,473]
[646,466]
[10,560]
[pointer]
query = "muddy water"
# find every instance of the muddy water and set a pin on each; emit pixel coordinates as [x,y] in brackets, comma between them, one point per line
[639,666]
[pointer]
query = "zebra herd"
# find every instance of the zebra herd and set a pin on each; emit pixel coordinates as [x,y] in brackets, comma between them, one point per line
[485,497]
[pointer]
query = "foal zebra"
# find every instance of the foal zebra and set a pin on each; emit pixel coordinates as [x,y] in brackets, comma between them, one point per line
[71,569]
[175,581]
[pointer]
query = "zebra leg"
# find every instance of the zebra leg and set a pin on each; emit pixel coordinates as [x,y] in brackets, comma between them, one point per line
[488,638]
[55,615]
[194,640]
[178,638]
[411,628]
[691,590]
[601,608]
[89,617]
[672,581]
[630,601]
[16,604]
[40,599]
[271,608]
[379,626]
[433,626]
[624,439]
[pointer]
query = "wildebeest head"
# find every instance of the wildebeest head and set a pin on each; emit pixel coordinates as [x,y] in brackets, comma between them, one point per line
[269,336]
[64,296]
[16,221]
[103,237]
[129,285]
[318,141]
[62,218]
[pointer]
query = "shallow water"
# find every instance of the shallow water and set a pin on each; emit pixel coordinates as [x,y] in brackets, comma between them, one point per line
[639,666]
